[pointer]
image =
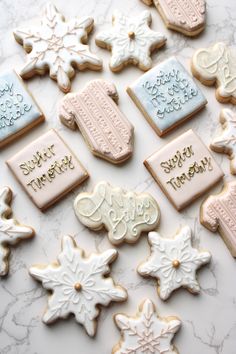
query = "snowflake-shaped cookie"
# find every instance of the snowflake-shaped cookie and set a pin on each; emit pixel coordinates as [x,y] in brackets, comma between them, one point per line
[131,41]
[226,141]
[146,333]
[11,231]
[78,284]
[57,46]
[174,262]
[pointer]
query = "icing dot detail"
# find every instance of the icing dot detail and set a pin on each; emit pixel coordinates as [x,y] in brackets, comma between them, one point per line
[131,35]
[78,287]
[176,263]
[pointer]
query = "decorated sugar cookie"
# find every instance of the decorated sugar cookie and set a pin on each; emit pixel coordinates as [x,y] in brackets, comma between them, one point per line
[57,46]
[218,213]
[18,110]
[184,169]
[167,95]
[131,41]
[187,17]
[226,141]
[125,214]
[216,65]
[146,332]
[78,284]
[11,231]
[174,262]
[104,127]
[47,169]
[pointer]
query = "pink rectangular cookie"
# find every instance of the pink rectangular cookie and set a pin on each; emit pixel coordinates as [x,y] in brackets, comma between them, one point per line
[184,169]
[47,169]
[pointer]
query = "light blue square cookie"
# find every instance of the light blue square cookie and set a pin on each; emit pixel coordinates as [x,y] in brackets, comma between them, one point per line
[18,110]
[167,95]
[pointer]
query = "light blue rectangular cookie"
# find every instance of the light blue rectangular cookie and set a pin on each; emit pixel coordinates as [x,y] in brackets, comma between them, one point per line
[167,95]
[18,110]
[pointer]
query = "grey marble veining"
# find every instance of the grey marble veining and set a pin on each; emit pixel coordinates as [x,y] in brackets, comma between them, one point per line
[208,320]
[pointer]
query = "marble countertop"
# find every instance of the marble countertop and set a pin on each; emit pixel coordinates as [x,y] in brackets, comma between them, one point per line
[208,320]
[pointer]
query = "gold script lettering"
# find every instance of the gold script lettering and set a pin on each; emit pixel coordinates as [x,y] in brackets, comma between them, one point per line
[203,166]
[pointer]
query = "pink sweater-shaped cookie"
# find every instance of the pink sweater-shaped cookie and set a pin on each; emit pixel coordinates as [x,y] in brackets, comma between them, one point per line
[184,16]
[104,127]
[218,212]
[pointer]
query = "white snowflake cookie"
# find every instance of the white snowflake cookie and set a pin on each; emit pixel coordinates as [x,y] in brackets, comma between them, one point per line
[146,332]
[11,231]
[174,262]
[78,284]
[57,46]
[131,41]
[125,214]
[226,141]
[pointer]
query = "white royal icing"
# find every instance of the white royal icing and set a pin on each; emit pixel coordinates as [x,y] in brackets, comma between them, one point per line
[10,230]
[146,332]
[124,214]
[218,63]
[131,40]
[174,262]
[226,141]
[78,284]
[57,46]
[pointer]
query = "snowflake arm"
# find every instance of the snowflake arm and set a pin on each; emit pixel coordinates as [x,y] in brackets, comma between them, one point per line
[11,231]
[57,46]
[78,284]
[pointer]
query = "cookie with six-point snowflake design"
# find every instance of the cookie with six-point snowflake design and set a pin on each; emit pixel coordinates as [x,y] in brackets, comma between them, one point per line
[11,231]
[146,332]
[174,262]
[57,46]
[226,141]
[78,284]
[131,41]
